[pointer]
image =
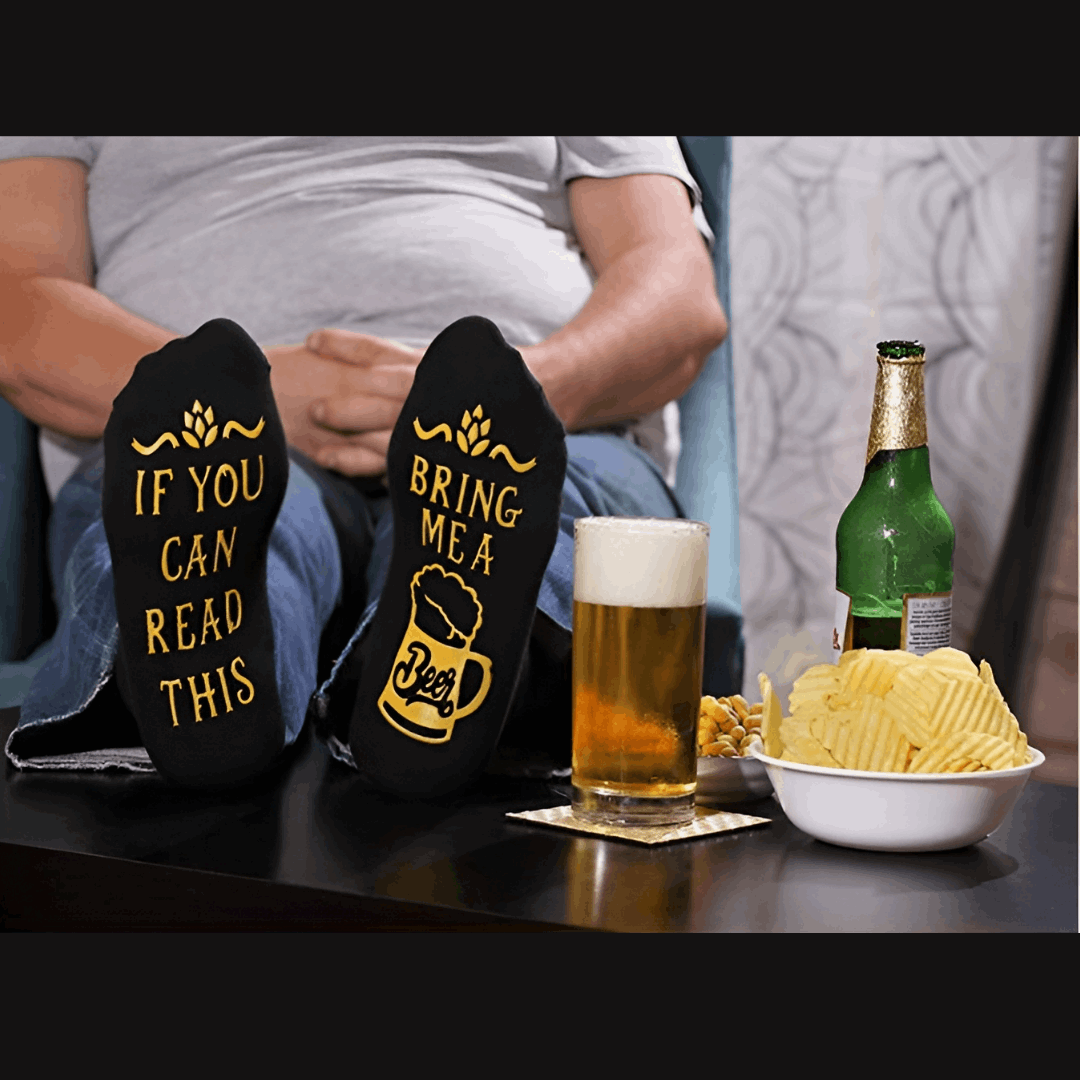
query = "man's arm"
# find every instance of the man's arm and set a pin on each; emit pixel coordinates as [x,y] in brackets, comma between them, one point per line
[653,317]
[66,350]
[639,342]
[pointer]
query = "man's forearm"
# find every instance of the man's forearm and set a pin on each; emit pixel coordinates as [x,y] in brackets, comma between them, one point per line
[640,341]
[66,351]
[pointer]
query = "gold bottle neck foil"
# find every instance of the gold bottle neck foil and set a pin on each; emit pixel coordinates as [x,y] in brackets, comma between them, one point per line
[898,421]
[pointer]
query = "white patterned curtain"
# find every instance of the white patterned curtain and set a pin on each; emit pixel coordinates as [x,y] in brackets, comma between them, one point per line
[838,243]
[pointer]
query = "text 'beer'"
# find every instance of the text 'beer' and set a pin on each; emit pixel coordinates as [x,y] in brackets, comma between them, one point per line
[639,627]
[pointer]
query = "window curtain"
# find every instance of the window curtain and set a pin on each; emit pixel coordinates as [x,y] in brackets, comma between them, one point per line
[838,243]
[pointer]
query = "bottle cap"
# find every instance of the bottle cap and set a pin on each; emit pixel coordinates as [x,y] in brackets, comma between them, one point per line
[901,350]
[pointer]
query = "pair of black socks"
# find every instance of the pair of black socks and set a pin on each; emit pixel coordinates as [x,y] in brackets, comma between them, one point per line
[196,470]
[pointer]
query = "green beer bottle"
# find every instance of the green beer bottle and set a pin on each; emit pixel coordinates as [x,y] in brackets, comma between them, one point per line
[894,543]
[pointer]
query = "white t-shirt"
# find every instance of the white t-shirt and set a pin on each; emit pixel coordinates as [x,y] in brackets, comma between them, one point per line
[392,236]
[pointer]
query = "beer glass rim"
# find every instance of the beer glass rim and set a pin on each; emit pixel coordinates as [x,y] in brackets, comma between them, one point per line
[643,524]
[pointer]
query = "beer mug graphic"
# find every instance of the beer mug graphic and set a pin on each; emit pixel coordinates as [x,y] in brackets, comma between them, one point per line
[421,697]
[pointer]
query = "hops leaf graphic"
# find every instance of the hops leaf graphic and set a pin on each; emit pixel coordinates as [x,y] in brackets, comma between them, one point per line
[203,425]
[471,430]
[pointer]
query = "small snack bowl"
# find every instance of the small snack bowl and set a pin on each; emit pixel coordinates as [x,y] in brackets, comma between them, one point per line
[878,811]
[731,780]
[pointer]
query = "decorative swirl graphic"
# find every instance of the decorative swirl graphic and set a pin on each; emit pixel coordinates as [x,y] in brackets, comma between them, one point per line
[501,451]
[168,437]
[248,433]
[442,429]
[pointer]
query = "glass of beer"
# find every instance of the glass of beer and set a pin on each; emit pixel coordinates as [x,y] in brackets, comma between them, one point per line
[639,639]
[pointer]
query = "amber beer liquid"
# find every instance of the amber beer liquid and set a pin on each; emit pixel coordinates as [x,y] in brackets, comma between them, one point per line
[639,633]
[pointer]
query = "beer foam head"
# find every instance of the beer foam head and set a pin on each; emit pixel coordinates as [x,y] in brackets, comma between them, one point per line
[446,608]
[640,562]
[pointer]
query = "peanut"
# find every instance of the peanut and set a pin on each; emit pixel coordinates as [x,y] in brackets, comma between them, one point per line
[727,726]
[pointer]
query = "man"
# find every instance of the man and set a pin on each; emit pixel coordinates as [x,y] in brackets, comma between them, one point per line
[583,252]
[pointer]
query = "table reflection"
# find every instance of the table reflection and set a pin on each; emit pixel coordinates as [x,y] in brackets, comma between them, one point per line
[635,888]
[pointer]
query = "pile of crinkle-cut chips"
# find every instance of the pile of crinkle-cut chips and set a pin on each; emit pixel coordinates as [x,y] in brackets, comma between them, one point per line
[892,711]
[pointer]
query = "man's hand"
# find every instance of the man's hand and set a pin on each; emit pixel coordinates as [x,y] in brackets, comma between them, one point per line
[339,396]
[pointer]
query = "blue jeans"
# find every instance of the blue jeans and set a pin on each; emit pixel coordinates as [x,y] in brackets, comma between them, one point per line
[606,476]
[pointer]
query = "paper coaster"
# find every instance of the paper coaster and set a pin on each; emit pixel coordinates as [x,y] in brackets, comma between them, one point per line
[707,822]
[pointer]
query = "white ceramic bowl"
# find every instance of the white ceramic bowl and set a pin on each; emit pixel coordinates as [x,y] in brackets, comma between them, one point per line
[731,780]
[896,811]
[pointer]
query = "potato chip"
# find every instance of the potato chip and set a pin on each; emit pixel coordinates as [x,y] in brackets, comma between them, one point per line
[852,656]
[870,741]
[910,715]
[810,752]
[885,749]
[815,685]
[771,717]
[923,683]
[1021,754]
[987,676]
[798,740]
[968,705]
[874,672]
[965,765]
[960,747]
[1015,736]
[951,660]
[831,726]
[892,711]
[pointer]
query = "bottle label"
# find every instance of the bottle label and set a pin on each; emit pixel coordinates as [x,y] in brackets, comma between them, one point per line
[927,622]
[841,635]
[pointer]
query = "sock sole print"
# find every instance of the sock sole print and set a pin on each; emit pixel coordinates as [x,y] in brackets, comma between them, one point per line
[475,471]
[195,473]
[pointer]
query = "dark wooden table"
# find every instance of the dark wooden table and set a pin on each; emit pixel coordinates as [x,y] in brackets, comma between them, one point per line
[313,848]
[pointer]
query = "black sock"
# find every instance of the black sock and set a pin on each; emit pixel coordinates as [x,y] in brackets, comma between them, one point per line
[538,731]
[475,472]
[195,473]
